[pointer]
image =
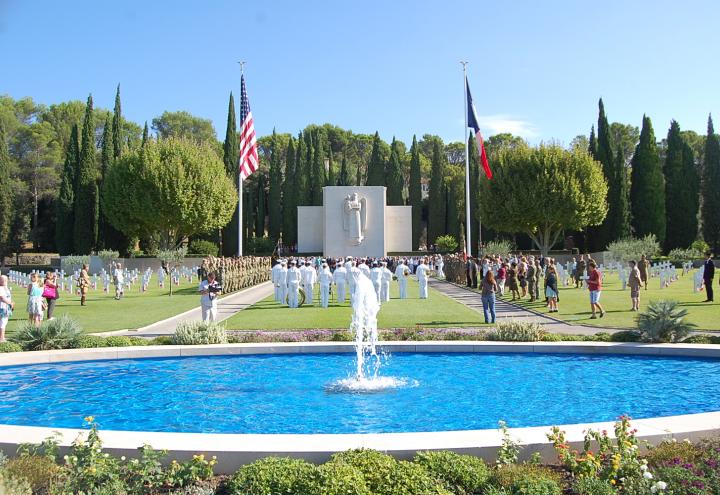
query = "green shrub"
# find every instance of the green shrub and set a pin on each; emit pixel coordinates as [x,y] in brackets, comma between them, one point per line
[461,474]
[686,452]
[593,486]
[13,486]
[52,334]
[517,331]
[599,337]
[273,476]
[496,490]
[500,247]
[260,245]
[88,342]
[339,479]
[124,341]
[446,244]
[162,340]
[203,248]
[631,248]
[194,490]
[664,322]
[10,347]
[198,332]
[38,471]
[509,476]
[342,336]
[411,479]
[536,485]
[702,339]
[377,468]
[625,336]
[683,255]
[556,337]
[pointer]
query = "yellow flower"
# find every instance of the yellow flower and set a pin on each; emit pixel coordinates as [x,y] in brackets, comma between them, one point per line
[89,419]
[612,482]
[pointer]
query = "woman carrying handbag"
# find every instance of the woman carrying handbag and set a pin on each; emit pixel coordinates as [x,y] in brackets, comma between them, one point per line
[50,293]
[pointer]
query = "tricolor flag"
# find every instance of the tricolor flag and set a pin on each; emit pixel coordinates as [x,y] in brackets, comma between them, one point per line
[472,121]
[248,145]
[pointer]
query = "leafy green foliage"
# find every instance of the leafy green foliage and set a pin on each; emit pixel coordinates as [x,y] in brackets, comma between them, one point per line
[415,194]
[184,125]
[198,332]
[53,334]
[376,166]
[10,347]
[38,471]
[632,248]
[664,321]
[517,331]
[436,226]
[203,248]
[394,176]
[682,191]
[711,189]
[509,450]
[275,190]
[376,467]
[461,474]
[568,192]
[169,190]
[272,476]
[647,191]
[14,486]
[289,196]
[446,243]
[6,192]
[593,486]
[498,247]
[518,479]
[85,211]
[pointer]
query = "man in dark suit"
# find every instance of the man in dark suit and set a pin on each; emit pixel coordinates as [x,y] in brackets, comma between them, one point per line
[708,276]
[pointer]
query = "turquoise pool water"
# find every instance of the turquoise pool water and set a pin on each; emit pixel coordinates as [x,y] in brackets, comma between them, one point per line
[295,393]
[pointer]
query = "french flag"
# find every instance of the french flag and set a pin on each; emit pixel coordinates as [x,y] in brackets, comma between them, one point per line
[472,121]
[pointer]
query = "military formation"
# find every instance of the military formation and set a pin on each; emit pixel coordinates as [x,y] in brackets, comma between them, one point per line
[237,273]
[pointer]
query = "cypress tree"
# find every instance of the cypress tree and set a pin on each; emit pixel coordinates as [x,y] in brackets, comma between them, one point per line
[622,226]
[250,192]
[681,191]
[394,177]
[117,139]
[647,192]
[344,177]
[711,189]
[86,190]
[415,194]
[452,212]
[275,190]
[358,175]
[592,145]
[607,231]
[318,170]
[260,202]
[106,159]
[7,193]
[289,202]
[376,166]
[436,201]
[331,179]
[302,173]
[474,195]
[144,135]
[65,223]
[230,159]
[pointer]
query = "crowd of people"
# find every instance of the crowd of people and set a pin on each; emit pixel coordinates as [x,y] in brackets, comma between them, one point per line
[295,279]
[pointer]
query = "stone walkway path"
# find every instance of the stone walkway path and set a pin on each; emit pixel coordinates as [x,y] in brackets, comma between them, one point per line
[227,307]
[504,309]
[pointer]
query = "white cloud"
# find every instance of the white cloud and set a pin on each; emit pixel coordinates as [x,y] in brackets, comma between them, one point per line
[496,124]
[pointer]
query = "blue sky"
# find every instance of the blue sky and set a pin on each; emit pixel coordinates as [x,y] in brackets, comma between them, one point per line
[537,68]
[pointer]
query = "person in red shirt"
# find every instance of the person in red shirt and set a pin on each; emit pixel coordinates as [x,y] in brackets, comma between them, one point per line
[594,284]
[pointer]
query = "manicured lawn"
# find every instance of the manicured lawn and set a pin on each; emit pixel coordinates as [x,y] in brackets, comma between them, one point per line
[103,313]
[575,303]
[436,311]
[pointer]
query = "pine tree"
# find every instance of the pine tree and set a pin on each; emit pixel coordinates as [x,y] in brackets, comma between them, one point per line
[144,135]
[230,159]
[106,159]
[86,190]
[344,177]
[376,166]
[117,139]
[275,190]
[681,191]
[647,193]
[436,201]
[289,202]
[65,223]
[474,195]
[7,194]
[394,177]
[260,205]
[415,194]
[711,189]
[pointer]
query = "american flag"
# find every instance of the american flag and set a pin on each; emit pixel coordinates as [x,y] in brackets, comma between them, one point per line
[248,146]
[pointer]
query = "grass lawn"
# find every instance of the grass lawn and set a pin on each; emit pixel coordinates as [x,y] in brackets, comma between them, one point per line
[103,313]
[436,311]
[575,303]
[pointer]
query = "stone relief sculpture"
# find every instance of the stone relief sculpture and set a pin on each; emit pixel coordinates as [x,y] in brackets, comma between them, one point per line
[355,218]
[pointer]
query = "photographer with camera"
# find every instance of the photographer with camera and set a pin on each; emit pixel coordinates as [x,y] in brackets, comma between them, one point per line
[209,291]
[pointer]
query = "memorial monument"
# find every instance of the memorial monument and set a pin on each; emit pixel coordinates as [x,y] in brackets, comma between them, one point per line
[354,221]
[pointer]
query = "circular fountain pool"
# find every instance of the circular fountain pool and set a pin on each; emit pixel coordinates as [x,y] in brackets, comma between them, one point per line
[295,393]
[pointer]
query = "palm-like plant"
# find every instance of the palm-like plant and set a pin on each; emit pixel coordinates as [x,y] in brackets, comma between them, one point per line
[52,334]
[664,321]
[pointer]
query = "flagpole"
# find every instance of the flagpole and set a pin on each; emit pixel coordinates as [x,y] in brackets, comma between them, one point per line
[468,236]
[240,190]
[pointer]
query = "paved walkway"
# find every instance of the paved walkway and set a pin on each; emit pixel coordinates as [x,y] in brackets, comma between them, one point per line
[504,309]
[227,307]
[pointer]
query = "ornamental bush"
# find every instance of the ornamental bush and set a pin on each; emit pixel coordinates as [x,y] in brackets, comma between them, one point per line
[13,486]
[517,331]
[10,347]
[631,248]
[199,333]
[339,479]
[519,479]
[446,244]
[273,476]
[87,342]
[203,248]
[498,248]
[664,321]
[52,334]
[376,467]
[37,470]
[124,341]
[593,486]
[461,474]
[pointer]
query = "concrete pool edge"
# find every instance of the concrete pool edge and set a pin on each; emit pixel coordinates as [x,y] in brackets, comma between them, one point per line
[234,450]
